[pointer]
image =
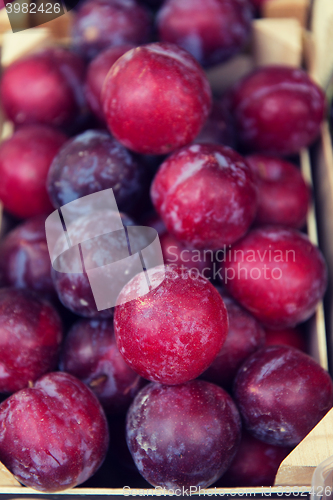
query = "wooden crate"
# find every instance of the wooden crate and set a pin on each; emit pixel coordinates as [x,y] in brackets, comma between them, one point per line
[281,38]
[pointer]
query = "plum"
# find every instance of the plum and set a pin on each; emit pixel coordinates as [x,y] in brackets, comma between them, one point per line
[25,159]
[277,110]
[54,434]
[156,98]
[283,195]
[30,338]
[277,274]
[91,162]
[166,337]
[282,394]
[245,336]
[205,195]
[292,337]
[183,436]
[100,24]
[45,87]
[24,258]
[96,74]
[211,30]
[90,353]
[219,128]
[255,464]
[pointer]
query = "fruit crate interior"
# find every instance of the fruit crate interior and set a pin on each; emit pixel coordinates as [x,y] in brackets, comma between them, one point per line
[280,37]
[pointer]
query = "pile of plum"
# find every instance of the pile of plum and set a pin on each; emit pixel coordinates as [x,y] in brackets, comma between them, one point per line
[209,367]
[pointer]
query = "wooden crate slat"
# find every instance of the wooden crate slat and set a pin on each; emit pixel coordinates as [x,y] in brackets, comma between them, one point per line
[295,9]
[298,467]
[277,41]
[16,45]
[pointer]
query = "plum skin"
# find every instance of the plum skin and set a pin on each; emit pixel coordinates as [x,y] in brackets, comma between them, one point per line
[165,336]
[91,162]
[25,159]
[282,394]
[100,24]
[164,89]
[245,336]
[218,128]
[211,30]
[277,110]
[184,435]
[293,337]
[96,74]
[74,292]
[90,353]
[24,258]
[205,195]
[283,195]
[30,338]
[255,464]
[54,435]
[59,73]
[277,274]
